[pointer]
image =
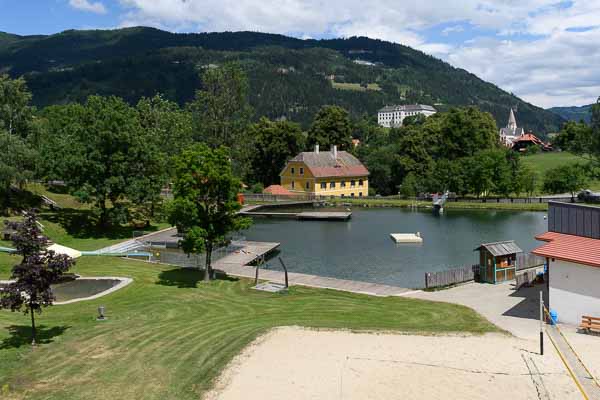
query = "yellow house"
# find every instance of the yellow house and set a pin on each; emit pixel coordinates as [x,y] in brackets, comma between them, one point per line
[328,173]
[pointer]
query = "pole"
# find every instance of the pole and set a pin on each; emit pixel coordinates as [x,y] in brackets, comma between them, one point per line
[285,272]
[541,324]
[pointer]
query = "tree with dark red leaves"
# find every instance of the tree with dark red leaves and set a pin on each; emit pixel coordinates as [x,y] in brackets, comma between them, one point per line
[30,289]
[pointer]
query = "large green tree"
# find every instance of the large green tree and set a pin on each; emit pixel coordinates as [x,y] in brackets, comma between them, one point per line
[15,111]
[205,207]
[104,155]
[565,179]
[465,131]
[18,162]
[275,142]
[166,123]
[331,127]
[221,109]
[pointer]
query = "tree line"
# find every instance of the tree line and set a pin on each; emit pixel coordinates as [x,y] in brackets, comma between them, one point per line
[117,157]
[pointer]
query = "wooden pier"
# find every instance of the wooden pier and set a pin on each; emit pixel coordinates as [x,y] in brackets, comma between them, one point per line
[304,215]
[236,264]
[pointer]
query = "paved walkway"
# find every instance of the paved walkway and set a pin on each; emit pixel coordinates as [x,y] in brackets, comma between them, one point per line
[514,311]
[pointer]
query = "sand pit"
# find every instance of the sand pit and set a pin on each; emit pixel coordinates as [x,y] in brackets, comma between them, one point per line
[296,363]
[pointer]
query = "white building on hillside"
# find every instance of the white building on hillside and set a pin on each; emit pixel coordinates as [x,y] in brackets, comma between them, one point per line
[392,116]
[511,133]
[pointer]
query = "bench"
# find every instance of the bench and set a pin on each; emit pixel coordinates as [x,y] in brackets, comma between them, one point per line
[590,324]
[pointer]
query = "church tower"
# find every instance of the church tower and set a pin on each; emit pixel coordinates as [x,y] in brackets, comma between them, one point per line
[512,122]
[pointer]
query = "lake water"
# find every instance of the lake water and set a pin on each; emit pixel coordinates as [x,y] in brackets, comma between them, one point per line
[361,249]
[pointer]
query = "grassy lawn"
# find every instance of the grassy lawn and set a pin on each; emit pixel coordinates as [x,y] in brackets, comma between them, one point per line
[542,162]
[168,335]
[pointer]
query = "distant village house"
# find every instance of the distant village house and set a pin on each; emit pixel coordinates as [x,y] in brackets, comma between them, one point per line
[327,173]
[392,116]
[515,138]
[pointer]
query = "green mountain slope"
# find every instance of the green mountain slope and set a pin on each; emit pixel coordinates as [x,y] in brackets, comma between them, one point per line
[574,113]
[289,77]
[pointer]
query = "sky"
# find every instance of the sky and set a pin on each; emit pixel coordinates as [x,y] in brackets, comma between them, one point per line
[546,52]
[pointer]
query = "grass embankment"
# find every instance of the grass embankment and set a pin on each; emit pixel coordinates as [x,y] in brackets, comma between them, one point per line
[76,226]
[168,335]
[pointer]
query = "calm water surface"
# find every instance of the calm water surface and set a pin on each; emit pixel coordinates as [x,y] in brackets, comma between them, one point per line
[361,248]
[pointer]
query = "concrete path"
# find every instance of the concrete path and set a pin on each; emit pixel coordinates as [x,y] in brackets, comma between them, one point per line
[514,311]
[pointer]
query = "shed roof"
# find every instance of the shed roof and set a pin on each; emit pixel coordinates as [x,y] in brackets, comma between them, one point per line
[501,248]
[571,248]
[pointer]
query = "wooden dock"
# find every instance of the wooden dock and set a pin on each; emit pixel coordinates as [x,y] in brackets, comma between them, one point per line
[247,253]
[236,264]
[304,215]
[325,215]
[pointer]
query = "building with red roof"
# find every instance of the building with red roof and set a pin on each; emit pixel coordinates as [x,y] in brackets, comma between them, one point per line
[526,140]
[326,173]
[277,190]
[572,252]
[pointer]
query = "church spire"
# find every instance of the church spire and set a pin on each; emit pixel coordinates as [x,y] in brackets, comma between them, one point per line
[512,121]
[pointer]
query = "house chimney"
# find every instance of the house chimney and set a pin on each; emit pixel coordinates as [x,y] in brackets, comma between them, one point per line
[317,148]
[334,152]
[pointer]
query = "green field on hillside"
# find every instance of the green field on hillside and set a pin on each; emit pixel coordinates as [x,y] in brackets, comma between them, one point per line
[542,162]
[169,335]
[355,86]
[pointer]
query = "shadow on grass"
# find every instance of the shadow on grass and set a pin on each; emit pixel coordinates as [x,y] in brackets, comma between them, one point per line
[188,277]
[20,335]
[83,224]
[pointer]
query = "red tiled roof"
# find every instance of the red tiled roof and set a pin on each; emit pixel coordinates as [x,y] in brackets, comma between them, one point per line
[577,249]
[528,137]
[277,189]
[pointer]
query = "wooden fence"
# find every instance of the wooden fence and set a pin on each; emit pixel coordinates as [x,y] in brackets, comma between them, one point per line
[450,276]
[267,197]
[464,274]
[525,278]
[528,260]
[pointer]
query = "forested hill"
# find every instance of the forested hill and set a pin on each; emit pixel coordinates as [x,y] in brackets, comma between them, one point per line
[288,77]
[582,113]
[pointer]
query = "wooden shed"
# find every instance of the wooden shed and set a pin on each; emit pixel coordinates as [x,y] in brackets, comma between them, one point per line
[498,261]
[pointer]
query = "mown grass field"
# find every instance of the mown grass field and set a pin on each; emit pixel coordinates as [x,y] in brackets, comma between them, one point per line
[168,335]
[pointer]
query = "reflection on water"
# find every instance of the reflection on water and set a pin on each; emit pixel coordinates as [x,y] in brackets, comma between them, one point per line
[361,248]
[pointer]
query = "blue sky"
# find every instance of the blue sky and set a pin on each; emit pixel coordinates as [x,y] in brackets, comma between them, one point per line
[544,51]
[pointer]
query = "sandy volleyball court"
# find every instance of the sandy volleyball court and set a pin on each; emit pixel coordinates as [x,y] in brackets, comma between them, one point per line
[296,363]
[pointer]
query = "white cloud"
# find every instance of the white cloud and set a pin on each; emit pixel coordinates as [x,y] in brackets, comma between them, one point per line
[87,5]
[453,29]
[543,50]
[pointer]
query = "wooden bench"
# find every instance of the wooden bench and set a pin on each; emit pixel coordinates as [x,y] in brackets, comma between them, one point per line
[590,324]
